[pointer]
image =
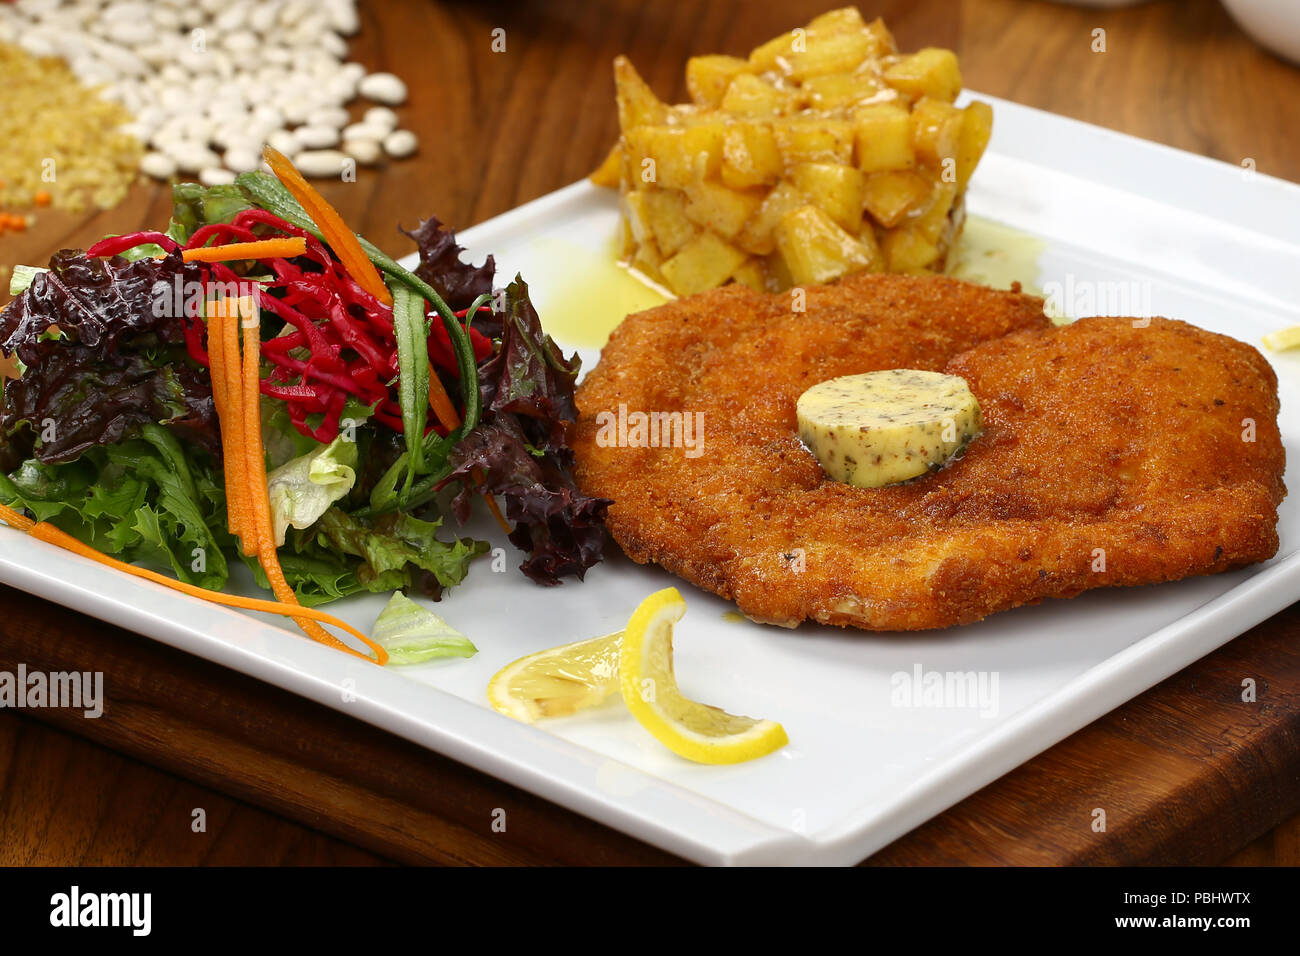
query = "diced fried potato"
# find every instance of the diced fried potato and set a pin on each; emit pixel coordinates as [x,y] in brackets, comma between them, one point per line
[768,57]
[837,190]
[936,130]
[976,130]
[843,20]
[883,137]
[817,250]
[707,77]
[840,90]
[823,153]
[719,209]
[649,261]
[751,274]
[906,250]
[703,263]
[885,45]
[928,72]
[813,140]
[637,103]
[665,212]
[890,195]
[747,95]
[933,218]
[681,154]
[750,156]
[636,215]
[610,172]
[829,53]
[757,236]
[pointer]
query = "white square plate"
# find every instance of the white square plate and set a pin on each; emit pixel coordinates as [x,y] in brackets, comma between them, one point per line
[1209,243]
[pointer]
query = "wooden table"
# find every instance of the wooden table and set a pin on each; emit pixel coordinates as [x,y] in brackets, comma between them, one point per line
[1187,772]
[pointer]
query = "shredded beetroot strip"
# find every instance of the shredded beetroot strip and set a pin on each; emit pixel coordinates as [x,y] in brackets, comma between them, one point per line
[342,345]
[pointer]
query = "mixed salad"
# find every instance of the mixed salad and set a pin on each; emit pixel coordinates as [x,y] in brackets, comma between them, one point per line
[341,450]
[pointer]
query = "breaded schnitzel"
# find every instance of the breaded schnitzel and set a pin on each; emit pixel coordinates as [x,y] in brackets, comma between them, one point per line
[1111,454]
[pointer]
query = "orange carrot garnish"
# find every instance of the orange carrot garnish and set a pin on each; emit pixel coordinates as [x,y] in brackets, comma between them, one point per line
[285,248]
[61,539]
[340,238]
[440,402]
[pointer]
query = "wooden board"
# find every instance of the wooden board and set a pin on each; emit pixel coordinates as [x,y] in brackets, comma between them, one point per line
[1186,773]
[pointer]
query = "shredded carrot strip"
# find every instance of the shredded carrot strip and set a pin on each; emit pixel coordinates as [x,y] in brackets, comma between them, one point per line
[440,402]
[219,370]
[238,506]
[285,248]
[496,512]
[261,532]
[60,539]
[340,238]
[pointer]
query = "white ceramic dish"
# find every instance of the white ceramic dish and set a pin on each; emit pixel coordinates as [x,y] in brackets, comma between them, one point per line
[1213,244]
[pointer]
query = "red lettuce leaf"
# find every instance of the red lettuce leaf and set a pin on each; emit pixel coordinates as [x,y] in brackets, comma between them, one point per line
[459,283]
[119,361]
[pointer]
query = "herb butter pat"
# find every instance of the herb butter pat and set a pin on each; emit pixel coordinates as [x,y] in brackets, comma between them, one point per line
[879,428]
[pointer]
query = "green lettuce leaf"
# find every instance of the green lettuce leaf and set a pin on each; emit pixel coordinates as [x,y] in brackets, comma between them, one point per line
[304,488]
[412,634]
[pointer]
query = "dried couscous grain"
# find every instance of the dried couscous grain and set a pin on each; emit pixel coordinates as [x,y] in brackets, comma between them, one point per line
[65,147]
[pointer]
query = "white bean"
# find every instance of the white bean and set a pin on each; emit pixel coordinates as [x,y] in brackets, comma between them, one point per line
[367,152]
[317,137]
[383,88]
[242,159]
[400,143]
[216,176]
[284,141]
[366,130]
[158,165]
[381,117]
[319,163]
[333,116]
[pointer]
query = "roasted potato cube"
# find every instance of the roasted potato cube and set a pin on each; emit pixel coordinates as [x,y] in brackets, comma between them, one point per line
[637,103]
[813,140]
[636,215]
[680,154]
[843,20]
[928,72]
[890,195]
[936,130]
[836,190]
[883,137]
[817,250]
[747,95]
[703,263]
[750,156]
[769,57]
[885,45]
[751,274]
[648,261]
[976,129]
[757,236]
[707,77]
[933,220]
[840,90]
[829,53]
[665,212]
[719,209]
[610,171]
[906,250]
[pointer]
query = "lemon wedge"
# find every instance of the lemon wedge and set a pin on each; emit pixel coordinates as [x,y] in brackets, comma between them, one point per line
[689,729]
[1283,339]
[559,681]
